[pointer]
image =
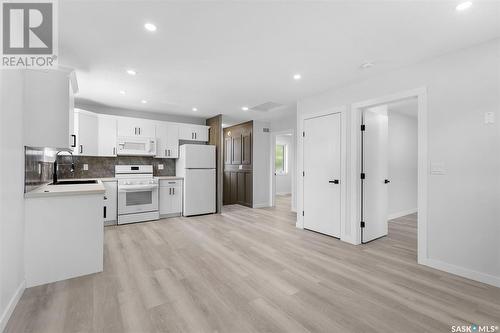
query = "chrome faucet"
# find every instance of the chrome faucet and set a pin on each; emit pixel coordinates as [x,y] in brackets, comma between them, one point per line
[54,171]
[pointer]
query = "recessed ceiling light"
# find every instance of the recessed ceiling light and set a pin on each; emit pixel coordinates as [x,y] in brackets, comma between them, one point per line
[463,6]
[244,108]
[195,109]
[297,77]
[144,101]
[367,65]
[131,72]
[150,27]
[122,92]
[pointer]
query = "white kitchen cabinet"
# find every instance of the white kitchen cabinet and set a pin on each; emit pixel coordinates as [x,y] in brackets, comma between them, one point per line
[193,132]
[110,212]
[47,105]
[86,124]
[167,136]
[136,127]
[170,197]
[106,135]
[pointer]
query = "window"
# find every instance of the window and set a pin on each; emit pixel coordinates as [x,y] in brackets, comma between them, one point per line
[280,162]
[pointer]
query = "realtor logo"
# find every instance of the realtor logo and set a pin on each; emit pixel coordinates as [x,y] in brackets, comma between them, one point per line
[28,34]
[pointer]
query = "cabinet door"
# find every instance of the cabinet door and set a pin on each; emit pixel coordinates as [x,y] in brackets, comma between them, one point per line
[86,134]
[46,108]
[106,136]
[234,188]
[146,128]
[161,140]
[127,127]
[172,146]
[186,133]
[249,189]
[227,188]
[110,201]
[177,199]
[236,143]
[165,200]
[228,151]
[246,145]
[241,188]
[201,133]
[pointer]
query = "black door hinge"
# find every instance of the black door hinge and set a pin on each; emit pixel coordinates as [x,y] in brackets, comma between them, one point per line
[303,134]
[362,224]
[303,173]
[362,175]
[302,213]
[363,127]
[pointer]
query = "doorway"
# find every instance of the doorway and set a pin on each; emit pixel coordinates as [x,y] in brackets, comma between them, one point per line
[389,170]
[422,165]
[283,169]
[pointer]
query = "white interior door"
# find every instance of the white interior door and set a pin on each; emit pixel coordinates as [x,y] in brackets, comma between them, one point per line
[322,168]
[375,168]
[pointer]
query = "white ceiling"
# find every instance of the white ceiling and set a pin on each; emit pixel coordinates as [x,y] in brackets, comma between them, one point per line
[220,56]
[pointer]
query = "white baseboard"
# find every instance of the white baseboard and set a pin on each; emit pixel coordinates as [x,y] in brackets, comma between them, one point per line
[463,272]
[11,306]
[261,205]
[402,213]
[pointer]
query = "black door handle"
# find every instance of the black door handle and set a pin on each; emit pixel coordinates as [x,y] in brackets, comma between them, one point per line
[73,145]
[387,181]
[335,181]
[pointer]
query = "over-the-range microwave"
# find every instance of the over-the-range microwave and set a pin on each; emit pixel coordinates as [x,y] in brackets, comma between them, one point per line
[136,146]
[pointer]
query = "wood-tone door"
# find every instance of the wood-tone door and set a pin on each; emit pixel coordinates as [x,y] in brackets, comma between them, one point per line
[227,188]
[236,143]
[246,145]
[228,150]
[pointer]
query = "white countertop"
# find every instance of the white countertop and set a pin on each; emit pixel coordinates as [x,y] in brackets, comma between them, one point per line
[168,177]
[63,190]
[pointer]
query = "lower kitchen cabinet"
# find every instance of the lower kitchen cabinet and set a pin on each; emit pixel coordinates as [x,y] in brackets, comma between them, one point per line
[170,197]
[110,210]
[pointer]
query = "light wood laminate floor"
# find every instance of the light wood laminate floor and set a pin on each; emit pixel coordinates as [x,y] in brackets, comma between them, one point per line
[251,270]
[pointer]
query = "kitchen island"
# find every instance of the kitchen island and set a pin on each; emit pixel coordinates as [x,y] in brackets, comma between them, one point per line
[64,232]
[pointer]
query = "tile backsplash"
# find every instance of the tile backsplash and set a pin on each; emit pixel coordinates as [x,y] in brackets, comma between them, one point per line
[39,166]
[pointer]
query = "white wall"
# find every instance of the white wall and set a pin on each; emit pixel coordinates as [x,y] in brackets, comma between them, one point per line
[261,165]
[403,164]
[284,181]
[463,205]
[12,192]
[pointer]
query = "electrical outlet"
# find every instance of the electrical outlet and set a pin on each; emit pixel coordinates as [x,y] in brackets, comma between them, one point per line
[85,167]
[160,166]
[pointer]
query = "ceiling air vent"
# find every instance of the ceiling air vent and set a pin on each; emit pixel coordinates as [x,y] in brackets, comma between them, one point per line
[265,107]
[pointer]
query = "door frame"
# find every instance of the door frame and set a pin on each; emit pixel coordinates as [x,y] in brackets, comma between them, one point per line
[272,171]
[423,163]
[343,166]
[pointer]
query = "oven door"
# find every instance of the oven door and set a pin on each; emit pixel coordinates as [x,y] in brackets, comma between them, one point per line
[137,198]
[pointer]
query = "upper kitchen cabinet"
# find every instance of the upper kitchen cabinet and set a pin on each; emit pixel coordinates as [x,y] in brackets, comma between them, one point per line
[167,136]
[193,132]
[86,129]
[48,107]
[136,127]
[106,135]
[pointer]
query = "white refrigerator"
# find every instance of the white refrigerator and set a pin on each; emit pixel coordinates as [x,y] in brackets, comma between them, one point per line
[196,164]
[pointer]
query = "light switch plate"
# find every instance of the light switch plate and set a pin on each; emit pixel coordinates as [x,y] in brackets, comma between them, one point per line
[160,166]
[489,117]
[85,167]
[438,168]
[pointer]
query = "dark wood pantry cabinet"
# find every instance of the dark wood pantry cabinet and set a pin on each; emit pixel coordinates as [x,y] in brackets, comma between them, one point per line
[238,171]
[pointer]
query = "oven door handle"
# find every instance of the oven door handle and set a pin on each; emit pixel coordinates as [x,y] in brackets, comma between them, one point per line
[136,188]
